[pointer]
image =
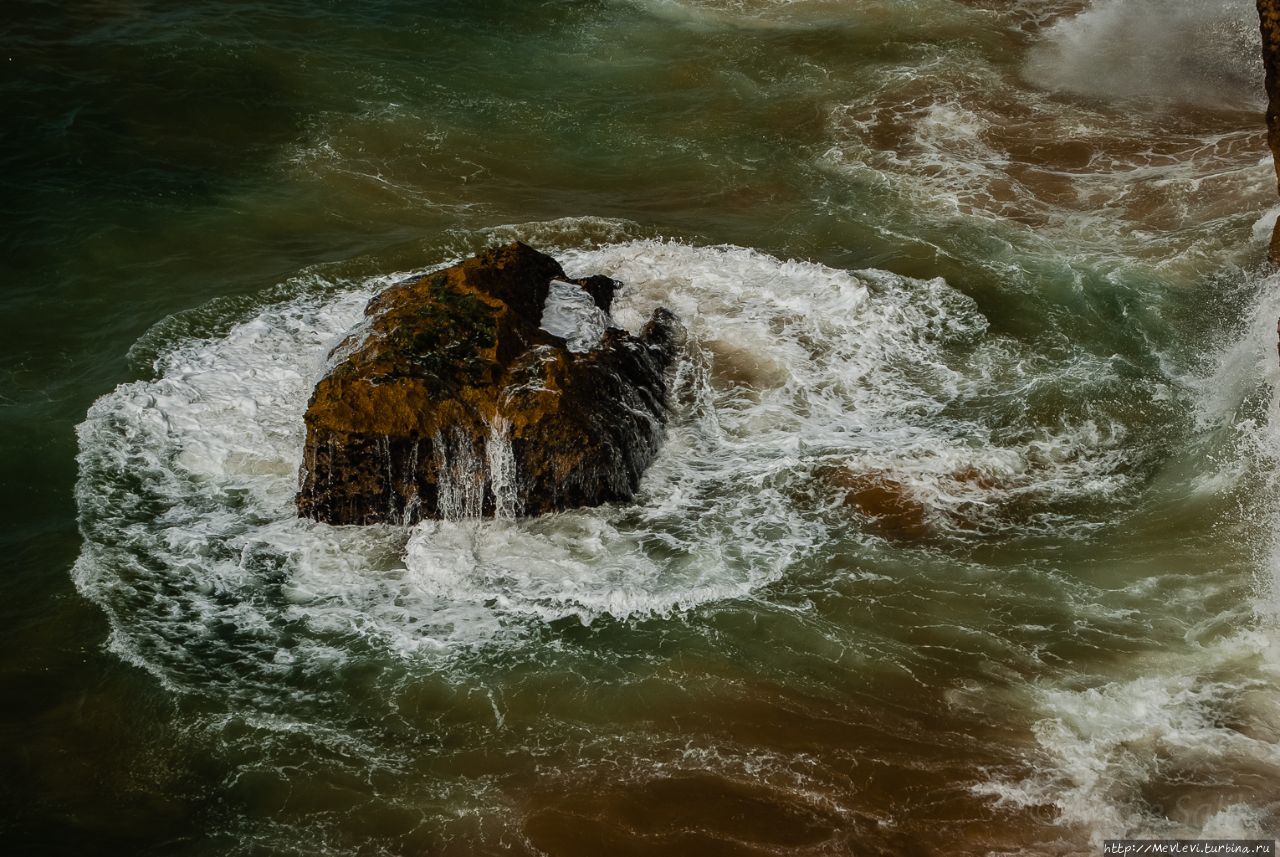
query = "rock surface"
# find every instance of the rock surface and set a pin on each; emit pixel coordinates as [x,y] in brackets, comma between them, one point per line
[1269,17]
[452,401]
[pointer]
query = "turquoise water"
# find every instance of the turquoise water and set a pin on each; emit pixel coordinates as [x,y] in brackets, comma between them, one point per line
[1000,259]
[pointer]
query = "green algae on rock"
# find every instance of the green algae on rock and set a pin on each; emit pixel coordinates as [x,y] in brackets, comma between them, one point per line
[452,401]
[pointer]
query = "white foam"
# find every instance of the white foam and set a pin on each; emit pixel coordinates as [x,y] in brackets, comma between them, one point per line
[866,377]
[1117,759]
[1265,224]
[571,314]
[187,481]
[1185,741]
[1099,181]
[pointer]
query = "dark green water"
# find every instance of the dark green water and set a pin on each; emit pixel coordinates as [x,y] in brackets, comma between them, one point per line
[997,258]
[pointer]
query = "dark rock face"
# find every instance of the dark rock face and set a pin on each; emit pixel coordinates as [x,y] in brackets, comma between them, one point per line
[452,402]
[1269,17]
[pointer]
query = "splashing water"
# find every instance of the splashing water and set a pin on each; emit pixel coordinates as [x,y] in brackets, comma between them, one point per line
[772,395]
[1186,51]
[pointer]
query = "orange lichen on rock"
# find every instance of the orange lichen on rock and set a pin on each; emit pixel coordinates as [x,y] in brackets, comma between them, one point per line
[452,400]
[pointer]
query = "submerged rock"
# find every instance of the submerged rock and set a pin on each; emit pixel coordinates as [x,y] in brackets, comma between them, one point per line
[887,504]
[468,393]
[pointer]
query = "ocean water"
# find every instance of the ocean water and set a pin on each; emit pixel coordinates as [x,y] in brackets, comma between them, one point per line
[995,263]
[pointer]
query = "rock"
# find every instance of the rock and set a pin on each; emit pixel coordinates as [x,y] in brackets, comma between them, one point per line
[886,504]
[452,401]
[1269,17]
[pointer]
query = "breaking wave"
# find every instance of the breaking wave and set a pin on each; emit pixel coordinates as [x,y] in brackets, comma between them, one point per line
[795,372]
[1184,741]
[1186,51]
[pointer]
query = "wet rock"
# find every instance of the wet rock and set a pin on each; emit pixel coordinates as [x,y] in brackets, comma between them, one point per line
[1269,17]
[453,400]
[887,505]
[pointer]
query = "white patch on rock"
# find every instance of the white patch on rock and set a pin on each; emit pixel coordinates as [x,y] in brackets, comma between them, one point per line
[571,314]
